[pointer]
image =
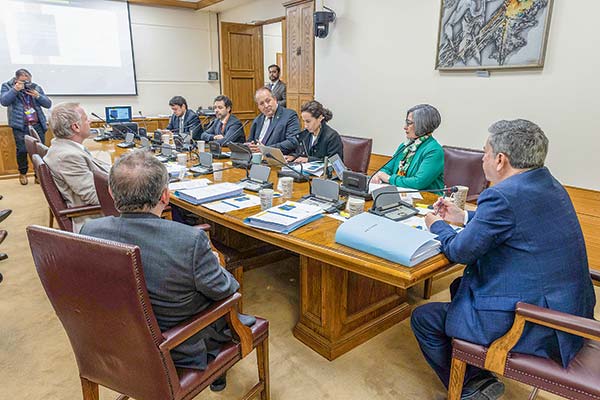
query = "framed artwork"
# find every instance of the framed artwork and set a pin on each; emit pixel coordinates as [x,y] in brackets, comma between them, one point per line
[492,34]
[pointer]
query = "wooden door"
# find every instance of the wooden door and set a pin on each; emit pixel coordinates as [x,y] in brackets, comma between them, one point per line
[242,67]
[300,53]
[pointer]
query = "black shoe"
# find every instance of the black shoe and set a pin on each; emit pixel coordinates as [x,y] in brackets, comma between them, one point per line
[4,214]
[219,384]
[483,387]
[3,256]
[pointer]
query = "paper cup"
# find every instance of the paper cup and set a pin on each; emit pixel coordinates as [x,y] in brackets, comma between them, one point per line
[201,144]
[355,206]
[266,198]
[182,159]
[459,198]
[286,185]
[217,171]
[256,158]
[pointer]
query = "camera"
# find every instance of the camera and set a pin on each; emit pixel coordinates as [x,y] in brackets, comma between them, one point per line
[29,85]
[321,20]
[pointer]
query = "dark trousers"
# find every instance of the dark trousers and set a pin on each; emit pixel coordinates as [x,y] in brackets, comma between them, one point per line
[21,149]
[428,323]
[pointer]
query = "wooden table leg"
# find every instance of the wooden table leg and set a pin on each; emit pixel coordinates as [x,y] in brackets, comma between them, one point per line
[339,309]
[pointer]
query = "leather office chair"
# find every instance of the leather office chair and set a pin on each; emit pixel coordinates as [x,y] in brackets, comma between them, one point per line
[463,167]
[42,149]
[30,145]
[580,380]
[60,211]
[112,328]
[357,153]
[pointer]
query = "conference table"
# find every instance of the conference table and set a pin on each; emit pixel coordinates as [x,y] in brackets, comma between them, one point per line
[346,296]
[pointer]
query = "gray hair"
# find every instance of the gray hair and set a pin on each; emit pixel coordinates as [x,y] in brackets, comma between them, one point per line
[137,181]
[263,89]
[426,118]
[63,116]
[522,141]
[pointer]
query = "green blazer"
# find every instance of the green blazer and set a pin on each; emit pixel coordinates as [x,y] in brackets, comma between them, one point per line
[426,170]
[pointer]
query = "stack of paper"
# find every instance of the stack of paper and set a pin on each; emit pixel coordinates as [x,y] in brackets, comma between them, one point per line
[387,239]
[234,203]
[310,168]
[189,184]
[285,218]
[209,193]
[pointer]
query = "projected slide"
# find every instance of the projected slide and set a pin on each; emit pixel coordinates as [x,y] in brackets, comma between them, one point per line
[80,47]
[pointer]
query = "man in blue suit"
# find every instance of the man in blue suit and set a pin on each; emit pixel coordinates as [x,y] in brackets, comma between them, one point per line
[227,128]
[523,243]
[277,126]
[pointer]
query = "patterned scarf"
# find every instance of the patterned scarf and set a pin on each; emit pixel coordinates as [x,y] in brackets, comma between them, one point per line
[409,152]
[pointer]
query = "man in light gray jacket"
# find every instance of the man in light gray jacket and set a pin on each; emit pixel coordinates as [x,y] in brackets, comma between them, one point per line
[71,164]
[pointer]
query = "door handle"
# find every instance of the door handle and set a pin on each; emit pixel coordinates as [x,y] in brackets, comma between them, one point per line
[299,51]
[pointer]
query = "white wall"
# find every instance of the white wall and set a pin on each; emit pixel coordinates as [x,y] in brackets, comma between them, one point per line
[258,10]
[272,44]
[174,49]
[379,60]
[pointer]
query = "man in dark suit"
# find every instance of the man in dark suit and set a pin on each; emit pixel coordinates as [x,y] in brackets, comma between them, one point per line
[523,243]
[227,128]
[276,86]
[276,126]
[182,274]
[182,121]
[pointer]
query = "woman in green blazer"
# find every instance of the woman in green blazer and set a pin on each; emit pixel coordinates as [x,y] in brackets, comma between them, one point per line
[419,161]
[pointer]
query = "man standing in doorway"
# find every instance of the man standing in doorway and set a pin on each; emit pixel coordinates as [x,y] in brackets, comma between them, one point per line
[24,101]
[277,87]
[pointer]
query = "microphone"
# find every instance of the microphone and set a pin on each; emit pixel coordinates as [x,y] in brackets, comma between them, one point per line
[235,132]
[100,118]
[298,176]
[380,168]
[446,190]
[140,113]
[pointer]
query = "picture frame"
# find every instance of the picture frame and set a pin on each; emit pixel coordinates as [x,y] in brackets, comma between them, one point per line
[492,34]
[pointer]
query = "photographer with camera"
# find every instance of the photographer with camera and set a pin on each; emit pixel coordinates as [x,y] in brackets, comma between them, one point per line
[24,101]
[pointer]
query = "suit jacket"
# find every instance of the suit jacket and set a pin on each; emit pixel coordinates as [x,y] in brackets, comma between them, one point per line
[523,243]
[191,123]
[280,92]
[282,131]
[182,274]
[233,131]
[328,143]
[426,169]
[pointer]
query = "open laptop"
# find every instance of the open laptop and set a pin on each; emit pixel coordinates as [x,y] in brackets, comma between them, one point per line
[205,165]
[275,153]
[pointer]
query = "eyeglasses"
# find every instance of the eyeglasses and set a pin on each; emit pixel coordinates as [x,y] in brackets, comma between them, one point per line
[408,122]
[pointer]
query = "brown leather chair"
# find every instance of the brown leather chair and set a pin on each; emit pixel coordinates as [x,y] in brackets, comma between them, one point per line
[106,201]
[60,211]
[357,153]
[42,149]
[581,378]
[463,167]
[30,145]
[105,310]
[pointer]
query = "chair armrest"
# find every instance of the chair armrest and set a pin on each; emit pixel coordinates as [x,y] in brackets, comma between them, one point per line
[595,275]
[80,211]
[497,353]
[186,329]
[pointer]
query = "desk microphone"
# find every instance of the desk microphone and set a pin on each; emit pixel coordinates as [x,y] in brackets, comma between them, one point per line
[140,113]
[445,190]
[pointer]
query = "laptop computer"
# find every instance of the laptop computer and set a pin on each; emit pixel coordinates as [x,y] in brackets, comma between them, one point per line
[275,153]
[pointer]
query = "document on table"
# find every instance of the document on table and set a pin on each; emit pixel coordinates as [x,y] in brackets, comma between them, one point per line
[314,168]
[233,203]
[286,217]
[189,184]
[209,193]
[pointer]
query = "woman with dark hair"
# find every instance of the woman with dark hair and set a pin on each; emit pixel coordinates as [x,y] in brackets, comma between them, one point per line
[419,161]
[318,140]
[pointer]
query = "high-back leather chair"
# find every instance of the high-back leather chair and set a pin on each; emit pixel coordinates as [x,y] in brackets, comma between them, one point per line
[463,167]
[42,149]
[98,291]
[30,145]
[357,153]
[581,378]
[57,204]
[106,201]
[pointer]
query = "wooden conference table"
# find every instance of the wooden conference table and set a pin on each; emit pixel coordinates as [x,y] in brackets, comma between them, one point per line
[346,296]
